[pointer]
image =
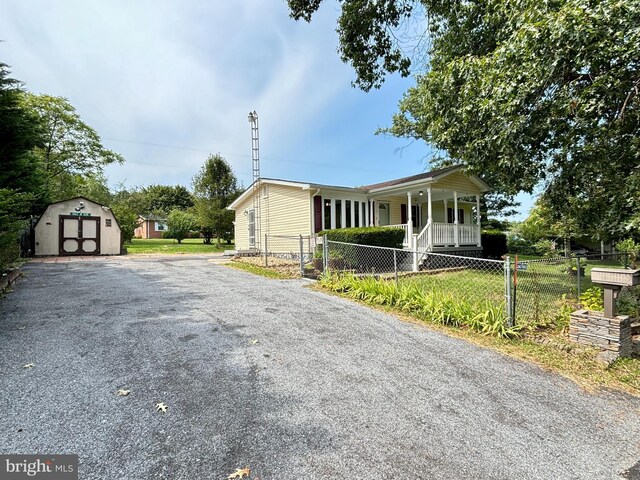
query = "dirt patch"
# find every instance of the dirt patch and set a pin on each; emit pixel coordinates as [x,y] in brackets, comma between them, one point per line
[289,268]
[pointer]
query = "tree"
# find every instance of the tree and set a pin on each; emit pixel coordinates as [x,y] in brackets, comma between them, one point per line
[127,219]
[164,198]
[215,187]
[71,147]
[524,93]
[180,223]
[156,199]
[20,185]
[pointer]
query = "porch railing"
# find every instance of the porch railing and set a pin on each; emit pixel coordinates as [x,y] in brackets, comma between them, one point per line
[444,234]
[407,236]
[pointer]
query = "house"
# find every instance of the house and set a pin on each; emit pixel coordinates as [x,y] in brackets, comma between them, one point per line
[438,210]
[151,226]
[77,226]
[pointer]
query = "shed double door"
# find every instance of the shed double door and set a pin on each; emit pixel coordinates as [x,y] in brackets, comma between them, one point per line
[79,235]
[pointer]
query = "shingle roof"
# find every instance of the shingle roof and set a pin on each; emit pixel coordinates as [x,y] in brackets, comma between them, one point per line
[412,178]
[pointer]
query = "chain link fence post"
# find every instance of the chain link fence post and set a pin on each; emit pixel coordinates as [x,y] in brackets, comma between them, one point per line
[579,277]
[325,254]
[395,265]
[507,280]
[301,256]
[266,255]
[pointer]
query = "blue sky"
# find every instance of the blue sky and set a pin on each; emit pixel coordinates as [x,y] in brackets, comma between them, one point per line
[166,83]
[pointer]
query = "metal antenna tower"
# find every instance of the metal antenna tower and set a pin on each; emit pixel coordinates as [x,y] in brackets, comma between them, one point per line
[255,160]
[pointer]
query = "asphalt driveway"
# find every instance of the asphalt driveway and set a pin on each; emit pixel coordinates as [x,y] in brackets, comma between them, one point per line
[292,383]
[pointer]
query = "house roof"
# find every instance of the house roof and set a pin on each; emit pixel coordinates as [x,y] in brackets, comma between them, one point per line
[382,186]
[153,217]
[413,178]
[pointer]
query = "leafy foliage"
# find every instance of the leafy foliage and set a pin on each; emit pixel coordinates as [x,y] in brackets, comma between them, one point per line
[494,243]
[215,187]
[127,219]
[431,305]
[70,146]
[631,249]
[524,93]
[180,224]
[374,236]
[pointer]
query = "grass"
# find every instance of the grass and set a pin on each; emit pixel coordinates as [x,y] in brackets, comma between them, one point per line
[170,246]
[257,270]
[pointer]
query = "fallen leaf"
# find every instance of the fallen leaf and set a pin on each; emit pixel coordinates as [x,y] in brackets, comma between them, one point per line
[29,365]
[123,392]
[255,342]
[22,327]
[240,473]
[161,407]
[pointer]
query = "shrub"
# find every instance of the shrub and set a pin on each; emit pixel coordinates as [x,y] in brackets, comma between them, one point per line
[374,236]
[494,243]
[591,299]
[631,249]
[546,248]
[180,224]
[519,245]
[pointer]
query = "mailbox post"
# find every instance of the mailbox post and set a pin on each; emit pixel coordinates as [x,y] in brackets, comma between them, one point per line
[612,280]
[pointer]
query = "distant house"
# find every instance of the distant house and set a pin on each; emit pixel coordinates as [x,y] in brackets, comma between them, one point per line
[438,210]
[151,226]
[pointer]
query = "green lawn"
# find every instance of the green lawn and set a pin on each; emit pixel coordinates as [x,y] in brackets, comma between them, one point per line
[169,246]
[545,290]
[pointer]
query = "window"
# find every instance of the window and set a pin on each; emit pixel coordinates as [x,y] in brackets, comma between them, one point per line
[161,226]
[356,209]
[338,213]
[347,206]
[450,217]
[107,222]
[327,214]
[265,191]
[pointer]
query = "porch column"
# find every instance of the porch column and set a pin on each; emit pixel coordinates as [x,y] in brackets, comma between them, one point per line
[429,220]
[446,220]
[409,235]
[478,223]
[333,213]
[456,236]
[372,212]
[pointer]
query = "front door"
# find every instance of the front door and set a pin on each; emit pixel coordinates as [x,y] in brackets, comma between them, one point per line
[383,214]
[79,235]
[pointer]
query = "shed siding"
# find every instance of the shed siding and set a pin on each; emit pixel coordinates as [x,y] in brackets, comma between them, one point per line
[48,228]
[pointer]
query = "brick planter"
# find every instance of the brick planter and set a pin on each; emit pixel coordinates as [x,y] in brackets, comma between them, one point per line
[611,335]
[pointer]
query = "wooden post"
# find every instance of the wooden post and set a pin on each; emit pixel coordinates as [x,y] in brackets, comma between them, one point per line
[429,220]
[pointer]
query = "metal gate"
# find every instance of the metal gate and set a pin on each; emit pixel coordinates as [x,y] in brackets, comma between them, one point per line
[79,235]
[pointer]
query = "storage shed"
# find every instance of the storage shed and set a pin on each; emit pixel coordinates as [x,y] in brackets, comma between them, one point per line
[77,226]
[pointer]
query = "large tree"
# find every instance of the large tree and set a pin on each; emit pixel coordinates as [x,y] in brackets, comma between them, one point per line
[215,187]
[524,93]
[70,147]
[156,199]
[20,185]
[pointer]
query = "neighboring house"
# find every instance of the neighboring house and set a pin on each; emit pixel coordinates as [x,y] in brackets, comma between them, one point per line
[438,210]
[150,226]
[77,226]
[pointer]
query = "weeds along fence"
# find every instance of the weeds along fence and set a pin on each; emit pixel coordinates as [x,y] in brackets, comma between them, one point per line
[529,291]
[295,250]
[476,281]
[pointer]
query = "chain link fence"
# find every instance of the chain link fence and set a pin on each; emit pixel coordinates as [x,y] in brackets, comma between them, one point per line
[543,288]
[477,281]
[531,291]
[292,251]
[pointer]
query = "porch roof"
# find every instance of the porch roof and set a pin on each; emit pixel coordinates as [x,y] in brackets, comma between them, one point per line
[421,178]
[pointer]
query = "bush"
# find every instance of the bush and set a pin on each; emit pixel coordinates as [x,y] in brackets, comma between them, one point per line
[520,246]
[494,243]
[373,236]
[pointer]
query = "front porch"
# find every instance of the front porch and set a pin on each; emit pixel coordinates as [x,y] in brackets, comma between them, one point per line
[443,235]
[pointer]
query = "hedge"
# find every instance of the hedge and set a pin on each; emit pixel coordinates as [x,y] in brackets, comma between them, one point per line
[374,236]
[494,243]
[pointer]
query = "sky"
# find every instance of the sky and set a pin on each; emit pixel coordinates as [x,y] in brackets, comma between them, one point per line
[167,83]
